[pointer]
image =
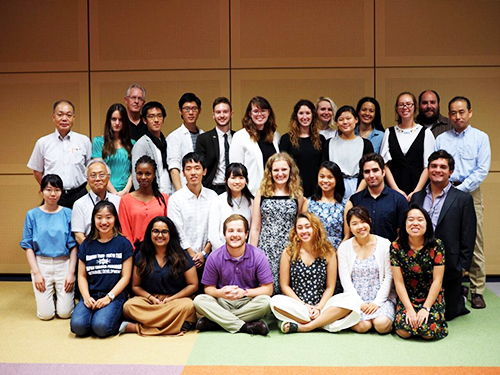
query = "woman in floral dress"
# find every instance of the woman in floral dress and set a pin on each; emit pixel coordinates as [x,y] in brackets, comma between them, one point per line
[275,208]
[417,261]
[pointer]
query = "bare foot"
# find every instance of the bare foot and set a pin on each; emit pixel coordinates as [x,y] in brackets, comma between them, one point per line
[131,328]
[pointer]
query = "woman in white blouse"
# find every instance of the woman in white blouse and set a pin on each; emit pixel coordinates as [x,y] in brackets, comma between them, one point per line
[257,141]
[406,148]
[365,271]
[236,200]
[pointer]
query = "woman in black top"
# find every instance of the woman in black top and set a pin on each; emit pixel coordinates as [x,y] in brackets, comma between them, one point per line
[304,143]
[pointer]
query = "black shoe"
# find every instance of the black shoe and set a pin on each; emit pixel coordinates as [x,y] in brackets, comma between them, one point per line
[477,301]
[465,291]
[258,327]
[205,324]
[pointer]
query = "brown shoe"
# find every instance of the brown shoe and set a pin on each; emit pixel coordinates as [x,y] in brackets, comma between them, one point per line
[258,327]
[477,301]
[205,324]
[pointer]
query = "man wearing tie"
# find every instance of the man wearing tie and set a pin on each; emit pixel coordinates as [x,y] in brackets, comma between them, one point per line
[214,145]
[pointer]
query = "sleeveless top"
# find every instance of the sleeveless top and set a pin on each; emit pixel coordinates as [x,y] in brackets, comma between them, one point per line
[407,169]
[308,282]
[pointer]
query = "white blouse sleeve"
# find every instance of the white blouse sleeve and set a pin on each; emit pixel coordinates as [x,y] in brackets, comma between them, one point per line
[384,147]
[429,143]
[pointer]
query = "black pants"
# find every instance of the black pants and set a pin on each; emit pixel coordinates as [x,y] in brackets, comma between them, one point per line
[69,197]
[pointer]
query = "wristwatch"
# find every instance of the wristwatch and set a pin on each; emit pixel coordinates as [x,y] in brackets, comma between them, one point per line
[428,309]
[204,254]
[111,296]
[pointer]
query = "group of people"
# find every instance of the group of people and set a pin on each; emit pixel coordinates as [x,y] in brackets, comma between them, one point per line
[337,224]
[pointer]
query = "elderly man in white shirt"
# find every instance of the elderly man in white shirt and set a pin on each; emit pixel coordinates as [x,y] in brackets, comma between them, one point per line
[64,153]
[98,174]
[189,209]
[183,139]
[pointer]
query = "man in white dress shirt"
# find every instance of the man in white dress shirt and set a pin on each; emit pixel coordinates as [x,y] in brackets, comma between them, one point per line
[64,153]
[98,174]
[189,209]
[183,139]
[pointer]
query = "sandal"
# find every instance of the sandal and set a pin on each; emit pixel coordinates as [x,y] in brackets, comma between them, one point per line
[292,327]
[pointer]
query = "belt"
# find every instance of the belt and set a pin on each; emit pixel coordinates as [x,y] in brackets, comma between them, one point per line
[75,190]
[456,183]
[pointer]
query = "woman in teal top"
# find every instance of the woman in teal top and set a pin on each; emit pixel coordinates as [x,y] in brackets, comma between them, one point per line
[115,147]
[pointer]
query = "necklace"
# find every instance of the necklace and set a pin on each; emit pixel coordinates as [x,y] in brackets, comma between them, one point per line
[236,203]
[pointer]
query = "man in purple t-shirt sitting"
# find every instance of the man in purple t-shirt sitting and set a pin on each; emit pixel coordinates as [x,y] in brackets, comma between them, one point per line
[238,284]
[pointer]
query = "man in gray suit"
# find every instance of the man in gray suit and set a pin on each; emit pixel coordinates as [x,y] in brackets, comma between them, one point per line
[454,222]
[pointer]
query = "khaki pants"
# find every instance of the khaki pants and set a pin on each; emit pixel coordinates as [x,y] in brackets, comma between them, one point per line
[477,272]
[232,315]
[164,319]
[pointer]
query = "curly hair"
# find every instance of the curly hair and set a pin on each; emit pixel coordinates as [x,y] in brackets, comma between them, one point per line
[313,127]
[294,183]
[322,247]
[269,127]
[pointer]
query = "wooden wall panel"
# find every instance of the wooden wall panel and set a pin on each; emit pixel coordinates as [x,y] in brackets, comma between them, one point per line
[44,36]
[283,88]
[159,34]
[26,102]
[19,194]
[490,189]
[293,33]
[165,87]
[437,33]
[480,85]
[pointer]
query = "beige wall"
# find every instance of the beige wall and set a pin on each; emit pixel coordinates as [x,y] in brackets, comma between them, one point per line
[89,51]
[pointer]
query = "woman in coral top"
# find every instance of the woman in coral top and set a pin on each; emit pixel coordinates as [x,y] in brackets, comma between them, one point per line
[138,208]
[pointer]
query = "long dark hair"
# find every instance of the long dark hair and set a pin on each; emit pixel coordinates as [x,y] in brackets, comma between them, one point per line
[237,169]
[108,148]
[339,189]
[377,119]
[175,256]
[145,159]
[94,233]
[429,239]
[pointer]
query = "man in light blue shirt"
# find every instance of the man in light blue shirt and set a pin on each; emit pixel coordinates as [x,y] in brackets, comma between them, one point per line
[470,147]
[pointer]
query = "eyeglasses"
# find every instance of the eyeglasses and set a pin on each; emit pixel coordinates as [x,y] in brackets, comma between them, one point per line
[405,105]
[152,117]
[134,98]
[157,232]
[94,176]
[257,112]
[189,109]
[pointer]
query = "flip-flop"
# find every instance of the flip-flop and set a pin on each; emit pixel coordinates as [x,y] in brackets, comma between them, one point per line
[292,327]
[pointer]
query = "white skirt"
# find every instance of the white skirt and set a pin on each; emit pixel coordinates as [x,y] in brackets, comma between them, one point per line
[299,310]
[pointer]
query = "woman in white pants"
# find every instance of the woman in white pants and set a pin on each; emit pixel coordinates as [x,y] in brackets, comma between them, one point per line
[51,252]
[308,272]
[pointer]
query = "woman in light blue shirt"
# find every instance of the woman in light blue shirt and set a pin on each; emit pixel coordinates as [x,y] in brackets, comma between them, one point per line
[51,252]
[370,122]
[115,147]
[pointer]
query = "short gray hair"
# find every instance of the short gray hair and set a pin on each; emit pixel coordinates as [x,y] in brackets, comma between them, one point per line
[97,160]
[136,86]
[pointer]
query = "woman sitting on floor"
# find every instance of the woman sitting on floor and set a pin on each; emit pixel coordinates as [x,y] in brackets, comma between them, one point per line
[417,261]
[164,279]
[365,271]
[104,269]
[308,272]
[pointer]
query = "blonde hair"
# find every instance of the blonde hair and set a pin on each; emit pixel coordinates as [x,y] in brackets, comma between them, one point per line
[334,109]
[322,247]
[313,128]
[294,183]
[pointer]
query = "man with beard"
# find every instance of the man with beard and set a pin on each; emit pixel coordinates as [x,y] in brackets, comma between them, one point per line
[238,284]
[214,145]
[386,206]
[429,113]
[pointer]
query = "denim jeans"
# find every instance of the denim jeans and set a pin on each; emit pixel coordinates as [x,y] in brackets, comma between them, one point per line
[103,322]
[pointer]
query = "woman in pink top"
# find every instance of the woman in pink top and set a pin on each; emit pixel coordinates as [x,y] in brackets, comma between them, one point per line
[138,208]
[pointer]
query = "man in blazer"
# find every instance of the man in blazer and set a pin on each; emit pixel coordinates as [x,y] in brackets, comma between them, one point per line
[454,222]
[214,145]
